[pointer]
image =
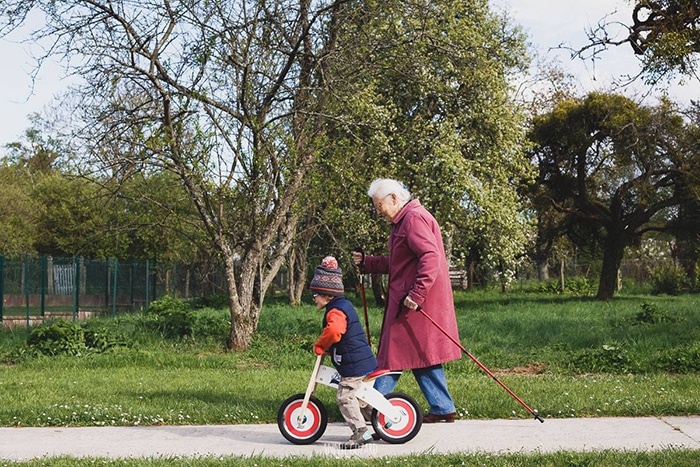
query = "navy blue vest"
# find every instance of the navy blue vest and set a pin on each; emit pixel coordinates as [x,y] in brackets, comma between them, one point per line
[352,356]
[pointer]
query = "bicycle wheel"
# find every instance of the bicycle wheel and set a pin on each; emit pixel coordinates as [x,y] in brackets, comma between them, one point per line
[313,425]
[407,427]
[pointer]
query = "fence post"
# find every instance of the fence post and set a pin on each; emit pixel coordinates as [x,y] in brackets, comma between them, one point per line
[2,286]
[76,287]
[148,283]
[114,290]
[44,283]
[26,286]
[106,283]
[131,284]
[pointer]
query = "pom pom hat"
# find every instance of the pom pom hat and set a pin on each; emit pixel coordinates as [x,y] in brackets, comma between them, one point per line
[328,278]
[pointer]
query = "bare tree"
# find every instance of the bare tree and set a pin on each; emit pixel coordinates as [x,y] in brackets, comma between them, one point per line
[228,95]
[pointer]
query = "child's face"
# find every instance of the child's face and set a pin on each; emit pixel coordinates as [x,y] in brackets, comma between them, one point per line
[320,300]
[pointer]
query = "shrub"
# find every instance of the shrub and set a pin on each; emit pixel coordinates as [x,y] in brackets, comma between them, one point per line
[668,279]
[99,336]
[681,360]
[210,322]
[579,287]
[57,338]
[652,314]
[174,318]
[62,337]
[576,286]
[609,358]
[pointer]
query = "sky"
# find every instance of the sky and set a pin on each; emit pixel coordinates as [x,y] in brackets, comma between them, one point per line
[548,24]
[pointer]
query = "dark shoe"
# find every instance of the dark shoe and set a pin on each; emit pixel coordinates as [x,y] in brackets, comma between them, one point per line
[434,418]
[359,438]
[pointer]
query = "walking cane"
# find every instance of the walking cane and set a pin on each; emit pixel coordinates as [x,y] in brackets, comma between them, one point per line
[362,292]
[533,412]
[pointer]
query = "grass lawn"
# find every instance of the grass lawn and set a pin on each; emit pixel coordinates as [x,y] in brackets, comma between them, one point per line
[636,355]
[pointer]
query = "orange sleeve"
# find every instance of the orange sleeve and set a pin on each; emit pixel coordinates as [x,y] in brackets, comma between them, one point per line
[336,325]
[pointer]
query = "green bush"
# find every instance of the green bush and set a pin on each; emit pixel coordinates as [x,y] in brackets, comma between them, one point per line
[681,360]
[609,358]
[652,314]
[669,279]
[57,338]
[62,337]
[577,287]
[101,337]
[214,323]
[173,318]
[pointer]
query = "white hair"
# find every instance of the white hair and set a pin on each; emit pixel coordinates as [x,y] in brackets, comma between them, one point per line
[383,187]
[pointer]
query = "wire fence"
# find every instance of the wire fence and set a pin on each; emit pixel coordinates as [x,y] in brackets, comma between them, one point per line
[640,272]
[35,288]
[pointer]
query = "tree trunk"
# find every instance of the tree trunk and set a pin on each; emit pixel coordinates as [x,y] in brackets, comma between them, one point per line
[297,275]
[542,269]
[612,258]
[291,278]
[503,277]
[244,314]
[562,277]
[378,290]
[543,246]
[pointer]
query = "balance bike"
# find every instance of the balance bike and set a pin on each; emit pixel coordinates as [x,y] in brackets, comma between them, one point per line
[302,418]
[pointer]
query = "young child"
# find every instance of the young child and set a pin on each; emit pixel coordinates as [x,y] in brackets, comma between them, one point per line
[344,339]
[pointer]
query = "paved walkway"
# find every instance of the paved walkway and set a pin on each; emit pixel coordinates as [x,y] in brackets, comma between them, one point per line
[494,436]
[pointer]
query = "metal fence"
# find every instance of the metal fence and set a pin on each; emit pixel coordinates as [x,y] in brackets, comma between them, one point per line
[34,288]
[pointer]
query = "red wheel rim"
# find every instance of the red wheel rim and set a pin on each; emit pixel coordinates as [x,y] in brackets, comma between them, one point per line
[310,425]
[408,421]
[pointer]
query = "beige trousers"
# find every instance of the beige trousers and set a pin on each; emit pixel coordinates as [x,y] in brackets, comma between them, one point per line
[348,403]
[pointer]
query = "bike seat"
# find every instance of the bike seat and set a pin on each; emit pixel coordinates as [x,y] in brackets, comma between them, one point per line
[376,374]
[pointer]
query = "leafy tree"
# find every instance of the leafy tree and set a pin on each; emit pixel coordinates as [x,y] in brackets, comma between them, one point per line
[25,165]
[417,110]
[687,228]
[51,210]
[614,170]
[18,211]
[436,84]
[71,219]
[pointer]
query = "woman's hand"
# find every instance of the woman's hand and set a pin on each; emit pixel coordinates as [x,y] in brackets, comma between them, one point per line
[358,256]
[410,304]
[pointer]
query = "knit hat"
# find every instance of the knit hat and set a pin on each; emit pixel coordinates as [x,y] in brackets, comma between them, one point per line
[328,278]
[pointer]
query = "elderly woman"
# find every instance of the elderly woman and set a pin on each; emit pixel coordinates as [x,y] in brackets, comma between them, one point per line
[418,277]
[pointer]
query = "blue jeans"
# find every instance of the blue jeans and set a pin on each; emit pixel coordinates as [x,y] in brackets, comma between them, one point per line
[431,381]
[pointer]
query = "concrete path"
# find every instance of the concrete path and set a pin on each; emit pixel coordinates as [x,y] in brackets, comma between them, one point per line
[492,436]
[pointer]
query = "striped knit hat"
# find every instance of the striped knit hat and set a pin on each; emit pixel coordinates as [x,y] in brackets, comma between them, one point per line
[328,278]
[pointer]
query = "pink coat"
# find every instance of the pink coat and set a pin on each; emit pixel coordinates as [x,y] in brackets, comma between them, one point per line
[417,266]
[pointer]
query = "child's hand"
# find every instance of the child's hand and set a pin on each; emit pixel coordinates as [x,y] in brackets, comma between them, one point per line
[318,350]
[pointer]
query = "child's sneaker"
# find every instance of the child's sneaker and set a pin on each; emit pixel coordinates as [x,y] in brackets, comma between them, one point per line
[359,438]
